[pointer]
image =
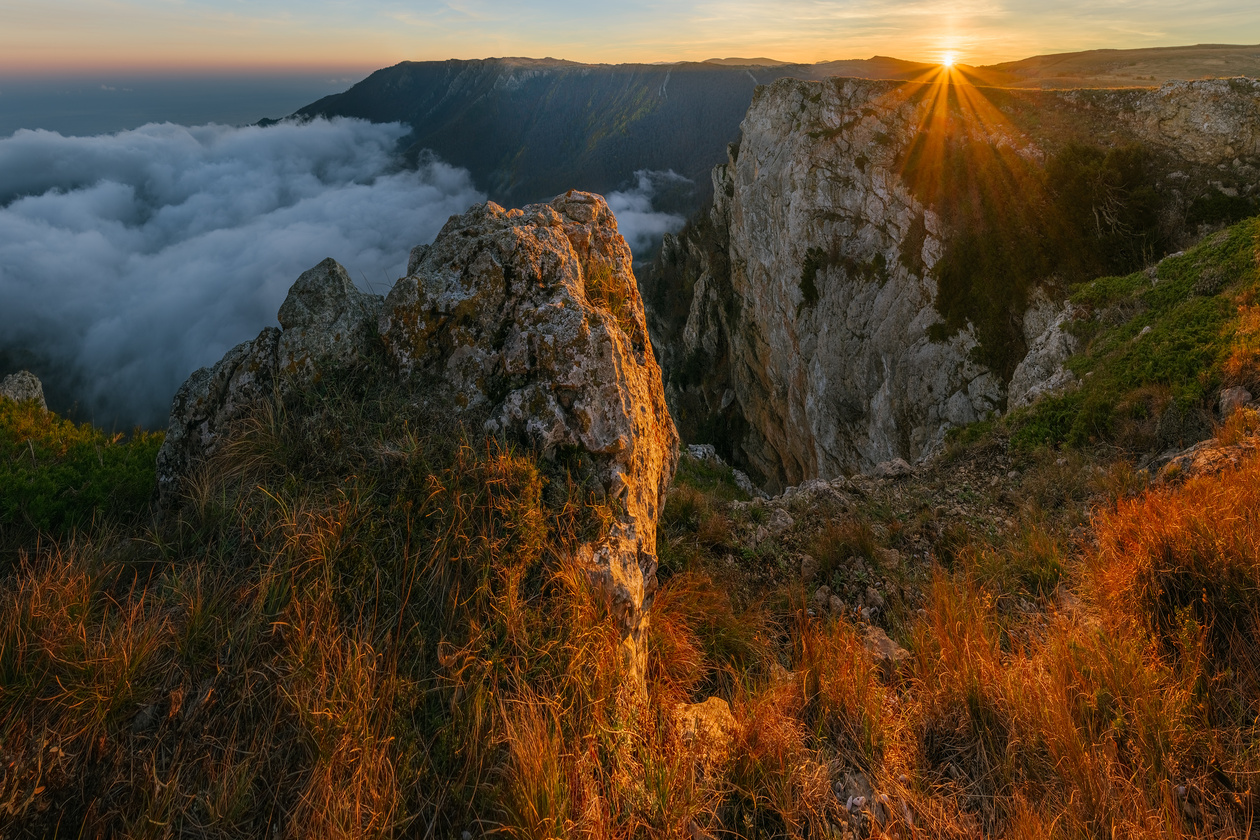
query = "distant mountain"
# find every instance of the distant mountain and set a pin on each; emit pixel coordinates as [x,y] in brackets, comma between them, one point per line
[1126,68]
[528,129]
[744,62]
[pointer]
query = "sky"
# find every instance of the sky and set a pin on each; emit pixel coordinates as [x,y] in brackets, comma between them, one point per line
[41,37]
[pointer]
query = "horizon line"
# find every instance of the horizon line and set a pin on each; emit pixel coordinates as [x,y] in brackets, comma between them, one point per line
[355,68]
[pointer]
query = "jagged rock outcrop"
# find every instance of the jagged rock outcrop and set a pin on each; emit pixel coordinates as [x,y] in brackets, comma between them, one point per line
[533,316]
[1042,372]
[324,320]
[530,318]
[814,343]
[23,386]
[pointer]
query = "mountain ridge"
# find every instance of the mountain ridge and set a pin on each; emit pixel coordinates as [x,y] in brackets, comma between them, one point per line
[528,129]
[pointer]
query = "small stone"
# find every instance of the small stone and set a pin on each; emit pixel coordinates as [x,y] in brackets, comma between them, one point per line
[809,568]
[896,468]
[822,599]
[836,604]
[866,613]
[703,452]
[709,727]
[884,650]
[1232,399]
[1013,475]
[874,598]
[743,482]
[780,522]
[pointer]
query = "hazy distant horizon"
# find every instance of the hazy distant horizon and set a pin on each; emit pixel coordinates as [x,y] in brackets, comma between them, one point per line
[38,36]
[104,103]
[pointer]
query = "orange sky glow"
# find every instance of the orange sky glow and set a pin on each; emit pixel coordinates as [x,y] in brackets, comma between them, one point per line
[41,37]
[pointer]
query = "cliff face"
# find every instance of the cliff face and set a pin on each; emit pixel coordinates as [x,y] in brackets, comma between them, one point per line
[813,291]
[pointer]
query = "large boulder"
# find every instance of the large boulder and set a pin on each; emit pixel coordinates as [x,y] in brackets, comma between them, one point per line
[23,386]
[528,321]
[534,318]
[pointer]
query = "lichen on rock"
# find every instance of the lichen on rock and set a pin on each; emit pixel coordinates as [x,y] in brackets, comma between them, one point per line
[324,320]
[533,317]
[23,386]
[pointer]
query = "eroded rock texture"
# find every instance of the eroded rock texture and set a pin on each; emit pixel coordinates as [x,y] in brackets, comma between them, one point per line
[530,318]
[533,316]
[324,320]
[23,386]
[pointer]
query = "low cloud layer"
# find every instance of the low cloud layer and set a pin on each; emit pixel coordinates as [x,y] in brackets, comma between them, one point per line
[129,260]
[640,225]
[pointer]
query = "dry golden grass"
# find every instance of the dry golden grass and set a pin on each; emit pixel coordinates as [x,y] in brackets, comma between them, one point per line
[390,638]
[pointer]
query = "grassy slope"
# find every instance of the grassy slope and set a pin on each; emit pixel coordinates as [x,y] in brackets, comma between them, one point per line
[1172,336]
[365,623]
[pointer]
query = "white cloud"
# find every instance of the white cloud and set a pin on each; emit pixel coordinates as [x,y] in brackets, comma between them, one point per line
[640,225]
[129,260]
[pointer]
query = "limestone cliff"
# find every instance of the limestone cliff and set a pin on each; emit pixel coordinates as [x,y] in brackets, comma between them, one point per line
[816,336]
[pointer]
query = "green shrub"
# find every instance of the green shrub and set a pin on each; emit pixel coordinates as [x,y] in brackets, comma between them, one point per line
[57,476]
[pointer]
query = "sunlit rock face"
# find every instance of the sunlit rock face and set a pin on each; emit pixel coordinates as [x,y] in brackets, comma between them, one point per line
[830,293]
[533,317]
[530,318]
[813,344]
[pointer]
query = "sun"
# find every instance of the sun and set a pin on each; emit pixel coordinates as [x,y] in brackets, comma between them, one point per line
[948,59]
